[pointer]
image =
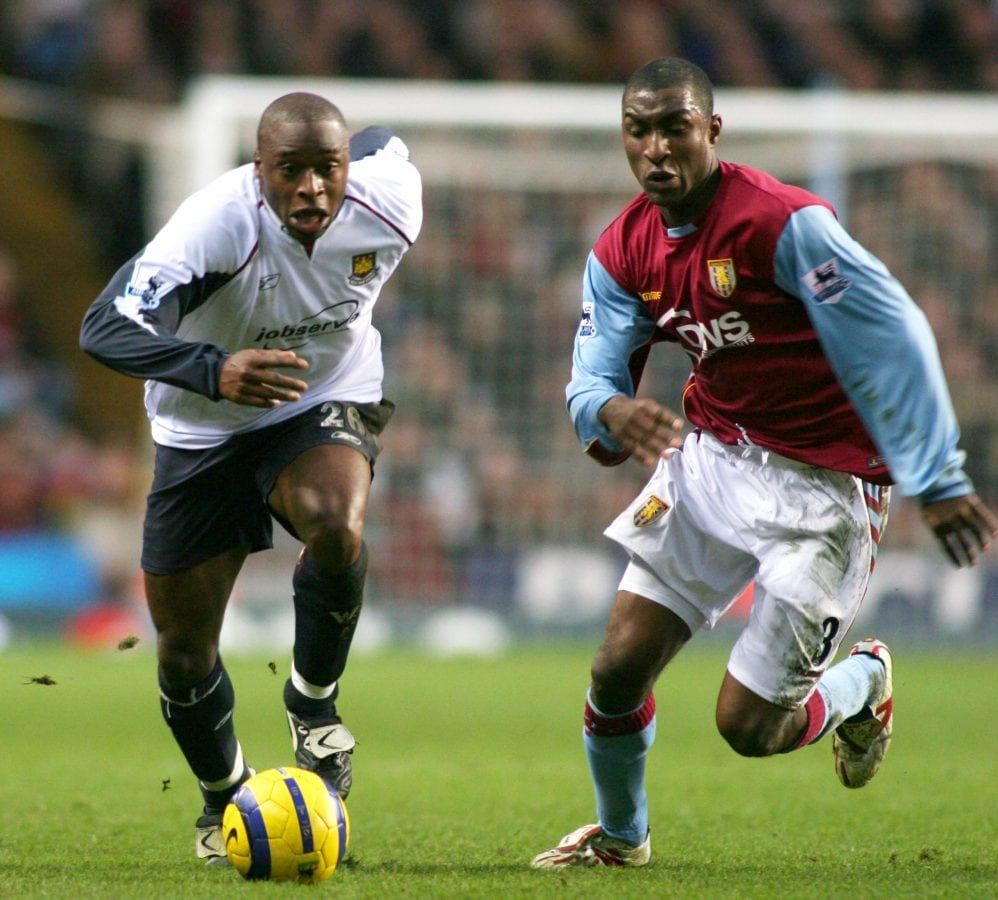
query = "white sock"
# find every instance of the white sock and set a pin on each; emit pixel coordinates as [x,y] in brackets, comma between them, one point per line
[307,689]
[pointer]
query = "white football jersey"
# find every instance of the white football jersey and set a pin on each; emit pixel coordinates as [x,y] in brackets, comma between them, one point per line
[224,275]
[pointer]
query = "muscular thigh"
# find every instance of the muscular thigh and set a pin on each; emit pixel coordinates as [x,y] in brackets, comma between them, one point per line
[327,483]
[320,463]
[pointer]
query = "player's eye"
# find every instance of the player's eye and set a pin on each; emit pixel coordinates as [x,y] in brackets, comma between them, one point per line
[677,126]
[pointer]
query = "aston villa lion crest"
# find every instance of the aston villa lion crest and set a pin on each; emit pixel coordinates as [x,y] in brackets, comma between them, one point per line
[722,276]
[364,267]
[650,511]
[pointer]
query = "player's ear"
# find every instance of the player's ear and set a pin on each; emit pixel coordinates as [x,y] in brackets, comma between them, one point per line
[256,163]
[715,129]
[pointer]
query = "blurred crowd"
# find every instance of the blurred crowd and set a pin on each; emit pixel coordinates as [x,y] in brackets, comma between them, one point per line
[148,49]
[481,466]
[54,472]
[49,466]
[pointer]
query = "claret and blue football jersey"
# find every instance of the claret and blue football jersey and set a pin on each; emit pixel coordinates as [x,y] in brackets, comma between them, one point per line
[800,340]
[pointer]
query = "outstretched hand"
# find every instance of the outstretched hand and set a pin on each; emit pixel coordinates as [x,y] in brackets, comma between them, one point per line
[249,378]
[964,527]
[645,428]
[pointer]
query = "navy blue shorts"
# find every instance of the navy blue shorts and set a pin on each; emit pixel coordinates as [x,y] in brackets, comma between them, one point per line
[204,502]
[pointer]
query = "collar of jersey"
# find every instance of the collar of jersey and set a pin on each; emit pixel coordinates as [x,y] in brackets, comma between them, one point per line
[681,231]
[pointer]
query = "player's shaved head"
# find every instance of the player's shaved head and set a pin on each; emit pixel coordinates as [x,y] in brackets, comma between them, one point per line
[299,107]
[671,72]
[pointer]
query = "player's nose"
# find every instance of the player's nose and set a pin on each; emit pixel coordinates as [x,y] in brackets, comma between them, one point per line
[310,184]
[656,148]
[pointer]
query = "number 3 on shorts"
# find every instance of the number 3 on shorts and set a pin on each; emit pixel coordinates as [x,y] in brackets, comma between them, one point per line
[829,628]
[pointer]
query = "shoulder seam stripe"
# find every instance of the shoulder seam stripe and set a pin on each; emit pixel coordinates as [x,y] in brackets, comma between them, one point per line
[383,218]
[246,261]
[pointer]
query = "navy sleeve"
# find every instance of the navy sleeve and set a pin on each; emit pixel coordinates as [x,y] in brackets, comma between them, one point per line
[369,141]
[135,334]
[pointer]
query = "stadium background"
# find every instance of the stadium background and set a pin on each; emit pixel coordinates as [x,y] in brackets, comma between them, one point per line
[485,522]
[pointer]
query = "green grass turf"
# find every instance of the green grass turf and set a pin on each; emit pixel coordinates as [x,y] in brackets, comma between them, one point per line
[466,768]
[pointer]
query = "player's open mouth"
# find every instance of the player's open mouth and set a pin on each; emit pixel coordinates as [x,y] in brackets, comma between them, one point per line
[309,221]
[660,177]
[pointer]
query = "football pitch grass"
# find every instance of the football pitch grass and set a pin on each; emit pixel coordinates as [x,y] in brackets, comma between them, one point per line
[465,768]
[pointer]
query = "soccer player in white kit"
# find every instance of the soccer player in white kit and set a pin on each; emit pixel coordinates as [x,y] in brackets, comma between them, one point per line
[802,420]
[250,317]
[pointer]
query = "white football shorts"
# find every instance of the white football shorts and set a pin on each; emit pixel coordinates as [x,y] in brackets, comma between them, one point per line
[713,517]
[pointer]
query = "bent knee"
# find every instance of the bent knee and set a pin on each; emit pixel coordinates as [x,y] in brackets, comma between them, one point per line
[748,737]
[183,665]
[334,542]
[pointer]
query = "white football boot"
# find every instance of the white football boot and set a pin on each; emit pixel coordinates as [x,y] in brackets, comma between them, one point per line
[324,746]
[860,743]
[588,846]
[208,843]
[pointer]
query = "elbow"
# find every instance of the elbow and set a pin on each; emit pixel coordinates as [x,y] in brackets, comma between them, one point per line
[90,333]
[90,344]
[87,343]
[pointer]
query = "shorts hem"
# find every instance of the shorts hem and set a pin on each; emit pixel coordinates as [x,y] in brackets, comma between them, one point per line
[170,568]
[639,578]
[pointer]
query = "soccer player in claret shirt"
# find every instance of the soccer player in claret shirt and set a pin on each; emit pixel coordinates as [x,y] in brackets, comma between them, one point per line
[801,422]
[249,316]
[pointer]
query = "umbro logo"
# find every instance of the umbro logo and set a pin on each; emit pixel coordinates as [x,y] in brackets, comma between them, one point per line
[269,282]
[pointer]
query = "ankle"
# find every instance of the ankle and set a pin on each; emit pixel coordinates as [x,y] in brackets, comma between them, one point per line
[308,708]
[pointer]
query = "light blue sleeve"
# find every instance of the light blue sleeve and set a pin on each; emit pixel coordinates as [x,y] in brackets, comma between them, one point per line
[614,324]
[880,347]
